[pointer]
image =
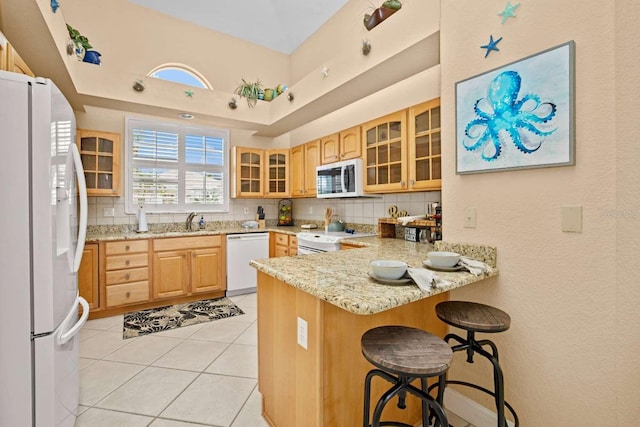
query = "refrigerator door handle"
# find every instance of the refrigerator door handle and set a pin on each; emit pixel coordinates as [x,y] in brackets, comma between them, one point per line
[64,336]
[82,193]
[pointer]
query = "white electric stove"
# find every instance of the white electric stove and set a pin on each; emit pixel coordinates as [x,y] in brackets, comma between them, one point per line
[319,242]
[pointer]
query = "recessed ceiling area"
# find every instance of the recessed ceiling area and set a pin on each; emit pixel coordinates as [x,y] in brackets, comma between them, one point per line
[281,25]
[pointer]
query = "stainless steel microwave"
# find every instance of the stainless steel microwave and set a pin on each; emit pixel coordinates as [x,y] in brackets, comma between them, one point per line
[340,179]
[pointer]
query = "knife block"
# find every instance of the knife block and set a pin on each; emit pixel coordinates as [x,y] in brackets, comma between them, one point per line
[261,223]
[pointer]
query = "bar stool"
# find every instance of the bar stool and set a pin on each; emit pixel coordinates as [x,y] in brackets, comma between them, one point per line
[475,317]
[402,354]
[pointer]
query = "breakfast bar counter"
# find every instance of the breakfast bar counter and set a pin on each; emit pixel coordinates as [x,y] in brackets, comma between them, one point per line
[312,311]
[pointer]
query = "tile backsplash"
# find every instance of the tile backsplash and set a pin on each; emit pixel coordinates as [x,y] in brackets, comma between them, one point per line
[365,210]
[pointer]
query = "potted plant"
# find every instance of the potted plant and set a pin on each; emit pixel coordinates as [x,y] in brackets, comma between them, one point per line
[251,91]
[387,9]
[81,42]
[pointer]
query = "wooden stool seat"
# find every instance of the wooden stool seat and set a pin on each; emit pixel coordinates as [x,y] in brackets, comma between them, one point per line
[402,354]
[473,316]
[406,351]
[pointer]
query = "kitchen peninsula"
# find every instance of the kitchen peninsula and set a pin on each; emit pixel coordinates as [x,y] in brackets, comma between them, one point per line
[312,311]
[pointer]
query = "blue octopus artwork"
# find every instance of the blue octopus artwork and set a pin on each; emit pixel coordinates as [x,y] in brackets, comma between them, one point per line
[502,117]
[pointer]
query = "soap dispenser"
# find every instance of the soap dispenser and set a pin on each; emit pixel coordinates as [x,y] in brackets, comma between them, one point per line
[201,222]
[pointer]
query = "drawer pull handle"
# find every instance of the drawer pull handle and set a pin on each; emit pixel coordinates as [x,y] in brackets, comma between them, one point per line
[128,294]
[126,248]
[127,276]
[127,262]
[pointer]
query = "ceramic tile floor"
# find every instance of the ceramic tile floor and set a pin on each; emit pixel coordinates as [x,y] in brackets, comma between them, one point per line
[200,375]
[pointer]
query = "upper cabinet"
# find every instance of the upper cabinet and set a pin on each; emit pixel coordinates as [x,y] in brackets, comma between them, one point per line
[100,153]
[247,163]
[304,160]
[385,153]
[260,173]
[277,173]
[10,60]
[341,146]
[402,151]
[425,159]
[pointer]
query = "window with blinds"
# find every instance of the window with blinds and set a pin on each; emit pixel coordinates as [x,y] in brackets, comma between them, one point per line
[176,168]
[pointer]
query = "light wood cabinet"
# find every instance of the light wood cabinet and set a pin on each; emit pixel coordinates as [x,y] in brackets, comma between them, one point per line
[304,160]
[188,265]
[385,153]
[402,151]
[344,145]
[248,166]
[126,275]
[277,173]
[424,143]
[282,244]
[10,60]
[88,277]
[100,153]
[15,63]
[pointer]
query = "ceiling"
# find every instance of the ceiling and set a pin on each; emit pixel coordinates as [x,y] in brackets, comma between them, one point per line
[281,25]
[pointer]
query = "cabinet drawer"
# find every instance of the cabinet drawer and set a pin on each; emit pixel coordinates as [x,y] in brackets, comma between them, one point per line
[118,262]
[282,239]
[128,275]
[281,251]
[128,293]
[182,243]
[126,247]
[293,251]
[293,241]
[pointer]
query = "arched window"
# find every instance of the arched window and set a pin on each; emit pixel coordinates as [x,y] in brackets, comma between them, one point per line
[180,73]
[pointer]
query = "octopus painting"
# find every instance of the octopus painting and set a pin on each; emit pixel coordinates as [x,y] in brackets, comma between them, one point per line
[502,117]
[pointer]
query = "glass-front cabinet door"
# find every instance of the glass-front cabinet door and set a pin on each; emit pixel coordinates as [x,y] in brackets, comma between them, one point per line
[248,170]
[385,153]
[100,153]
[425,158]
[277,173]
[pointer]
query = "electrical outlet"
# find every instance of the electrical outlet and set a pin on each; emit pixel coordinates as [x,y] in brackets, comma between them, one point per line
[302,333]
[246,211]
[108,212]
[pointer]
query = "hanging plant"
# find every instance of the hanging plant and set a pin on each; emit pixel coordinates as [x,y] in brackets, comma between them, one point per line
[251,91]
[387,9]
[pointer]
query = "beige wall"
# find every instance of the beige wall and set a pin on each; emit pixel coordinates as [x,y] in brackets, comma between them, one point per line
[627,107]
[567,344]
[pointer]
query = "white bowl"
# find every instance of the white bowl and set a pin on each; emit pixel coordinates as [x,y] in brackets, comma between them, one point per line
[443,259]
[388,269]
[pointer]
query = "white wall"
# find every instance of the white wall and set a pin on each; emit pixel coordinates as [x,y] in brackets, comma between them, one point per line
[565,357]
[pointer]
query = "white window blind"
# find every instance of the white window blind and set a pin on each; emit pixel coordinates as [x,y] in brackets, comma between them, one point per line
[176,168]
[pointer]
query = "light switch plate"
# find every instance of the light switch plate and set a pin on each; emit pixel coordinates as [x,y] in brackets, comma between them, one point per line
[571,219]
[108,212]
[469,218]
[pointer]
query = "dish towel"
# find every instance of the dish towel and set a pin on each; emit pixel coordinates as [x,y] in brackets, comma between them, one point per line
[425,279]
[404,220]
[474,267]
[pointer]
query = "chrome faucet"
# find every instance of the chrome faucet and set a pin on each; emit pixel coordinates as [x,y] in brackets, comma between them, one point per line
[189,219]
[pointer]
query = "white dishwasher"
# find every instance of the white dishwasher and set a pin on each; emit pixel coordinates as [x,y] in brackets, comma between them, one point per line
[242,248]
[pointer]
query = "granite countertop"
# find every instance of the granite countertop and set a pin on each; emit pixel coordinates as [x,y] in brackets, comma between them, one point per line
[341,278]
[119,234]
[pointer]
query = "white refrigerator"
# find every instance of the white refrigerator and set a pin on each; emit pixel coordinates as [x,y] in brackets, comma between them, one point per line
[43,208]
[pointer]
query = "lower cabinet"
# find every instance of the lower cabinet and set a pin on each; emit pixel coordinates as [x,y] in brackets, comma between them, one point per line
[126,272]
[88,276]
[121,276]
[188,265]
[283,245]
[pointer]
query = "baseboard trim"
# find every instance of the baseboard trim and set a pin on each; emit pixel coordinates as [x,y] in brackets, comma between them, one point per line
[470,410]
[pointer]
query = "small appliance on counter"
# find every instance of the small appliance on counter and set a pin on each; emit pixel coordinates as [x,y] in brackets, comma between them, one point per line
[285,212]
